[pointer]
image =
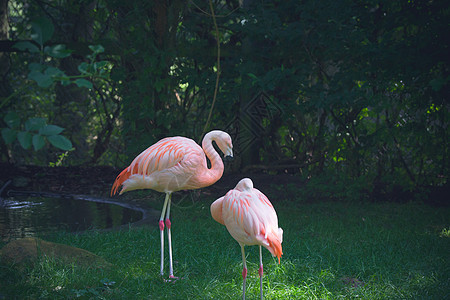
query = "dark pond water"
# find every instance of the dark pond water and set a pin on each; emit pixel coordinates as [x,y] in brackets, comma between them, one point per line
[27,216]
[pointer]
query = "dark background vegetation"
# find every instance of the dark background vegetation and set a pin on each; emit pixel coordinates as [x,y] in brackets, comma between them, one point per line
[352,96]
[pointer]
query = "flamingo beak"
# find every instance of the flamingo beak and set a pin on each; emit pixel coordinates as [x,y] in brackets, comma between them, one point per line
[228,155]
[228,158]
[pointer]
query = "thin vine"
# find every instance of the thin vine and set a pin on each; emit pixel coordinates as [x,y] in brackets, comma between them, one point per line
[216,89]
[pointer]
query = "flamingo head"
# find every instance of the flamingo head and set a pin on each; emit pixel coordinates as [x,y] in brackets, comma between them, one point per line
[245,184]
[223,141]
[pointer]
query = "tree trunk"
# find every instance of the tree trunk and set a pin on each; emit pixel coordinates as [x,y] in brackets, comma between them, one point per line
[5,64]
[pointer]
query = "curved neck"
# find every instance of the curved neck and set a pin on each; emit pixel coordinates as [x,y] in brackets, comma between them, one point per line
[216,169]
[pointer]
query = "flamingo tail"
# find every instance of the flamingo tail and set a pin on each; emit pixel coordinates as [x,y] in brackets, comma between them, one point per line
[124,175]
[275,245]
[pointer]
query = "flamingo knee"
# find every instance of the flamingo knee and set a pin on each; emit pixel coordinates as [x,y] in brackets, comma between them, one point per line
[244,273]
[168,223]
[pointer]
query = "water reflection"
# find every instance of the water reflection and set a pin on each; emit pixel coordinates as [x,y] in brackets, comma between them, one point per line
[24,217]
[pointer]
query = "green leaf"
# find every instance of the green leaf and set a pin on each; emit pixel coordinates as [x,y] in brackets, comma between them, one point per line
[42,80]
[97,49]
[159,85]
[9,135]
[118,73]
[100,64]
[24,138]
[83,68]
[12,119]
[50,130]
[34,124]
[57,51]
[437,83]
[36,67]
[24,46]
[60,142]
[47,78]
[42,30]
[52,71]
[38,142]
[65,82]
[83,83]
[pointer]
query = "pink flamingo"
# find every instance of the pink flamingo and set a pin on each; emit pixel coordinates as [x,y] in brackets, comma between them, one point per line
[173,164]
[251,220]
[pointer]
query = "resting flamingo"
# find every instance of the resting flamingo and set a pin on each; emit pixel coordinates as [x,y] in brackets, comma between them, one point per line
[251,220]
[174,164]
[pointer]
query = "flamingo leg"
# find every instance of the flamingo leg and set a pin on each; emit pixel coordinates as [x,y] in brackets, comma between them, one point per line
[244,271]
[169,237]
[161,230]
[260,272]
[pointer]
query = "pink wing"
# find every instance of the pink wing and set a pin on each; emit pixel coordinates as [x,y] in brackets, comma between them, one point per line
[164,156]
[251,219]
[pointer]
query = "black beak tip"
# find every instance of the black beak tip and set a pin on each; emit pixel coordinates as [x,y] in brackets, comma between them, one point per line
[228,158]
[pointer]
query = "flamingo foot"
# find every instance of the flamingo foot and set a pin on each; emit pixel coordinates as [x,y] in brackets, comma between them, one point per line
[172,278]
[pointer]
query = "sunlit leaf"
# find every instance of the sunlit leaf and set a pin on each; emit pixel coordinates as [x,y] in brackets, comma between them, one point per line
[60,142]
[100,64]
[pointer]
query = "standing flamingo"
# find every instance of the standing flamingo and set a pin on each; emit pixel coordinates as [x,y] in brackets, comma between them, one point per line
[251,220]
[173,164]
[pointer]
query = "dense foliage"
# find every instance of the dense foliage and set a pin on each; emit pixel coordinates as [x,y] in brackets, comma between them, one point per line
[356,90]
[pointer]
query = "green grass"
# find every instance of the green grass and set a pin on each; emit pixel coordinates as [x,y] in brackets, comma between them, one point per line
[331,251]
